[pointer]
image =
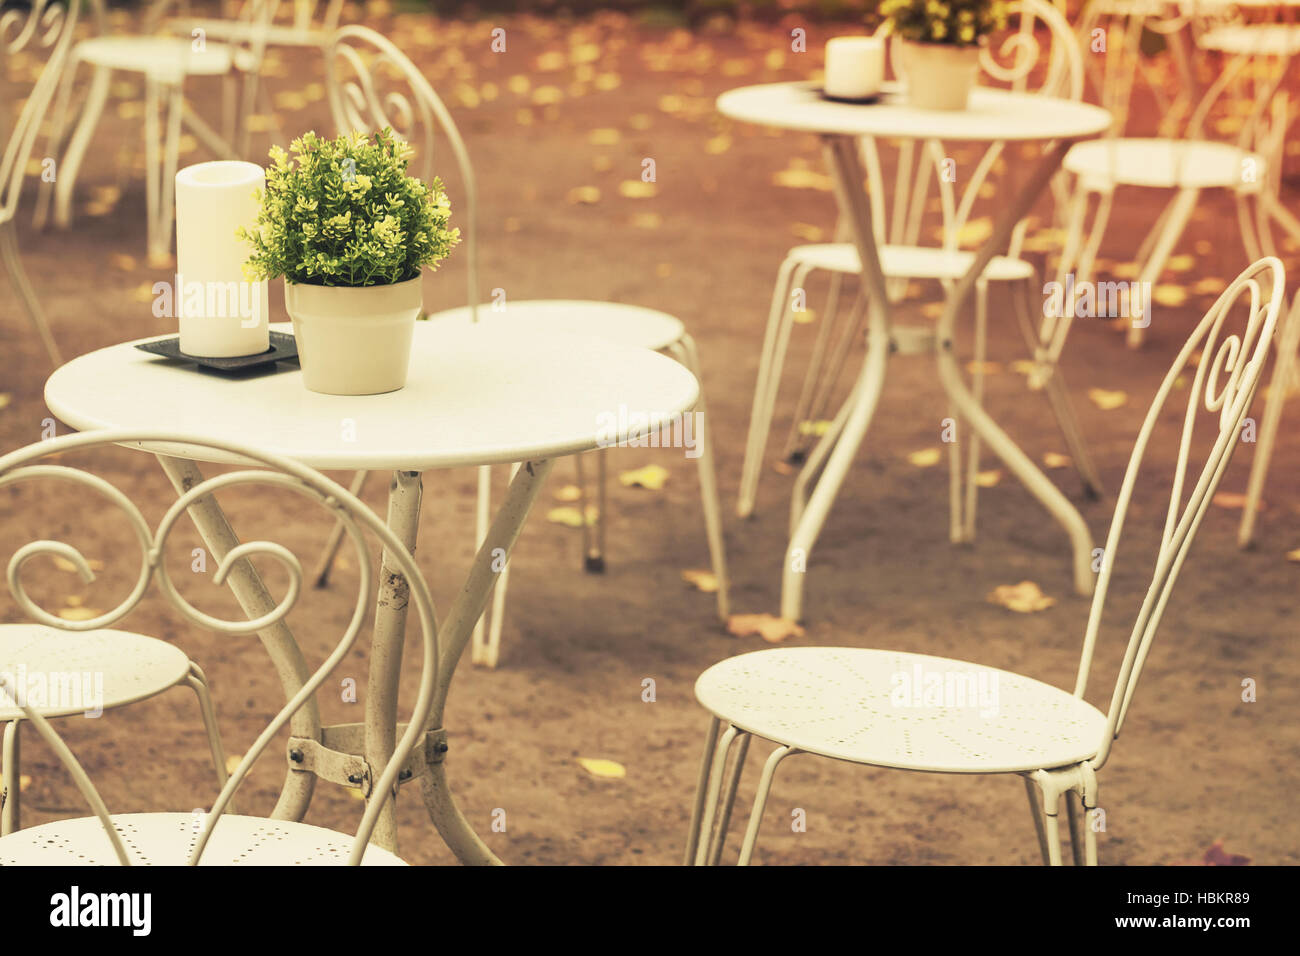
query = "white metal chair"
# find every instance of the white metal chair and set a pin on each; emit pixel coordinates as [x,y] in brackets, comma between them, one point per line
[1186,164]
[883,708]
[358,58]
[165,62]
[43,28]
[1058,73]
[217,836]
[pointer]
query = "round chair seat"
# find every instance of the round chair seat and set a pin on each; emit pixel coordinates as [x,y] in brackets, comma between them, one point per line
[629,325]
[59,663]
[1259,39]
[1161,163]
[911,262]
[875,707]
[167,839]
[162,56]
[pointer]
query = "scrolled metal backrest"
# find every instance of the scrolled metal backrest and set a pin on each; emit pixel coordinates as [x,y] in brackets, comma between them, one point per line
[42,28]
[1226,377]
[373,84]
[276,472]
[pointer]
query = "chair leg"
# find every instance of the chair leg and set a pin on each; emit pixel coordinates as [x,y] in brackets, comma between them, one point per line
[839,356]
[795,443]
[729,799]
[812,470]
[769,372]
[977,392]
[1031,791]
[198,683]
[66,176]
[23,286]
[701,790]
[498,618]
[760,802]
[702,838]
[321,576]
[482,519]
[1179,211]
[685,352]
[1089,799]
[1051,805]
[1072,812]
[593,561]
[9,779]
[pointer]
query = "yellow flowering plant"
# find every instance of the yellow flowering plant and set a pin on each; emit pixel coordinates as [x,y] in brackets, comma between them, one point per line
[343,212]
[951,22]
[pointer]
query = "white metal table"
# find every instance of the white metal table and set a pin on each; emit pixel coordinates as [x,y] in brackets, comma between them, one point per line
[991,115]
[476,396]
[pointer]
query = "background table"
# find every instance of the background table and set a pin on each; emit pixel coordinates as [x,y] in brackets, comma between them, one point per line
[476,395]
[992,115]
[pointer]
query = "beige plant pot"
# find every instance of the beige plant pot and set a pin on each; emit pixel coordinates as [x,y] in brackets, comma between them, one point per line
[354,340]
[939,75]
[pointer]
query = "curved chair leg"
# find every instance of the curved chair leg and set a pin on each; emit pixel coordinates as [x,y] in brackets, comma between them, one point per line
[593,558]
[701,790]
[1051,805]
[839,355]
[9,779]
[1076,818]
[23,286]
[812,470]
[769,370]
[1284,371]
[498,616]
[702,838]
[321,576]
[760,802]
[482,519]
[1089,799]
[795,443]
[684,351]
[198,683]
[977,392]
[66,177]
[1180,210]
[1031,791]
[58,124]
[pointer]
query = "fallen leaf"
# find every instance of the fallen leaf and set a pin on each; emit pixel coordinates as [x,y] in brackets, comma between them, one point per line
[717,145]
[807,232]
[1170,295]
[771,628]
[584,195]
[1181,263]
[5,399]
[783,467]
[1216,855]
[987,479]
[805,317]
[1293,555]
[78,613]
[24,781]
[988,368]
[651,477]
[121,260]
[1233,501]
[606,136]
[1054,459]
[608,769]
[1023,598]
[1106,400]
[817,429]
[571,517]
[568,493]
[924,458]
[636,189]
[802,179]
[705,581]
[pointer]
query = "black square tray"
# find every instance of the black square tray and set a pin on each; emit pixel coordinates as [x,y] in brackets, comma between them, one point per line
[283,347]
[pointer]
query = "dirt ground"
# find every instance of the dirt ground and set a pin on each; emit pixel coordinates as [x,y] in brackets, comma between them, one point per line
[1196,764]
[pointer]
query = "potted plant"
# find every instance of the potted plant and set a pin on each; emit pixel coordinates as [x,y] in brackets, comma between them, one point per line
[350,232]
[941,46]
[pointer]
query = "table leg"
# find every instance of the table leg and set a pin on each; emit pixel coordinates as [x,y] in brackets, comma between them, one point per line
[972,414]
[404,495]
[256,600]
[847,175]
[453,635]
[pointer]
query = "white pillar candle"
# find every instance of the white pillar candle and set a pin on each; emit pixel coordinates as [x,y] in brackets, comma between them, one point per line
[221,312]
[855,66]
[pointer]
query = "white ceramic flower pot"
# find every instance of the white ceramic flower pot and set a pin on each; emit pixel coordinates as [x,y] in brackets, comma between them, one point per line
[939,75]
[354,340]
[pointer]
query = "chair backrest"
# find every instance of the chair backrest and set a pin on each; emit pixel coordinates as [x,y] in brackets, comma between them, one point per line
[1228,367]
[372,84]
[42,29]
[1036,53]
[26,464]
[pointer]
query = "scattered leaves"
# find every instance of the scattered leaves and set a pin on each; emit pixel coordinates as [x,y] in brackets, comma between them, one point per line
[608,769]
[584,195]
[987,479]
[572,517]
[636,189]
[925,458]
[651,477]
[705,581]
[769,627]
[568,493]
[1233,501]
[1023,598]
[1054,459]
[1106,399]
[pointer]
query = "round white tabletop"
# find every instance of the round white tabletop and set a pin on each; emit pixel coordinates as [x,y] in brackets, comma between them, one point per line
[992,114]
[476,395]
[630,325]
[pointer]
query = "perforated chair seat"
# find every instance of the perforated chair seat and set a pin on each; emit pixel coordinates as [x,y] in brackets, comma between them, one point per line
[165,57]
[133,667]
[910,262]
[869,707]
[167,839]
[630,325]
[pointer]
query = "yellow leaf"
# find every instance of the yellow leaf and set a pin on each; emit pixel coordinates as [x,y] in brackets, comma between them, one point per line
[924,458]
[1106,400]
[770,628]
[932,310]
[803,230]
[608,769]
[568,493]
[584,53]
[24,781]
[601,164]
[705,581]
[671,103]
[79,613]
[1054,459]
[605,136]
[547,96]
[1210,285]
[1181,263]
[805,317]
[816,429]
[1023,598]
[121,260]
[975,231]
[1170,295]
[571,517]
[607,81]
[988,368]
[1293,555]
[584,195]
[987,479]
[651,477]
[551,61]
[232,762]
[802,179]
[5,399]
[518,84]
[717,145]
[1024,366]
[1234,501]
[636,189]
